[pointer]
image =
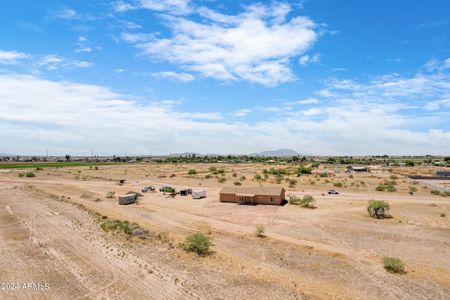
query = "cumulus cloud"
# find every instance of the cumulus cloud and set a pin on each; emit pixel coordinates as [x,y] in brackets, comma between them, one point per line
[383,115]
[256,45]
[11,57]
[308,101]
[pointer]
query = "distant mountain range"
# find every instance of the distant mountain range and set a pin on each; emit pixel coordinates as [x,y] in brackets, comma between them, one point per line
[279,153]
[6,154]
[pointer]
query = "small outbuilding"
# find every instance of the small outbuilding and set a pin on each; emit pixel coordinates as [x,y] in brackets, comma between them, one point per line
[198,194]
[127,199]
[253,195]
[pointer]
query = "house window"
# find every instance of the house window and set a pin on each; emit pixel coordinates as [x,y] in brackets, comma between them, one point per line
[271,198]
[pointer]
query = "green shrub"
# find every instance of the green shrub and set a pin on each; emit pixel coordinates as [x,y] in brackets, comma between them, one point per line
[378,209]
[350,176]
[169,189]
[258,177]
[237,183]
[439,193]
[324,174]
[197,243]
[338,184]
[307,201]
[30,174]
[221,171]
[234,174]
[242,178]
[259,231]
[221,179]
[21,175]
[394,265]
[110,195]
[208,176]
[213,169]
[303,170]
[192,172]
[292,182]
[391,188]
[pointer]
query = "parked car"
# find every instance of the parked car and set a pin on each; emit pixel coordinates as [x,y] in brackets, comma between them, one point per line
[148,189]
[333,192]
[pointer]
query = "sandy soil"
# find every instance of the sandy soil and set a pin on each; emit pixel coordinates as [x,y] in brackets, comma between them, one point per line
[333,251]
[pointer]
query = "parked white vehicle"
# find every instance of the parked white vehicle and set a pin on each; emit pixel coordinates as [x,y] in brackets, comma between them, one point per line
[198,194]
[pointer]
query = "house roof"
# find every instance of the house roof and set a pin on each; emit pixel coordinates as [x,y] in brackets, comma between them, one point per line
[257,190]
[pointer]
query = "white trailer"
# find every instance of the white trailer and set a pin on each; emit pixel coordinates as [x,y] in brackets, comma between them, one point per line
[198,194]
[127,199]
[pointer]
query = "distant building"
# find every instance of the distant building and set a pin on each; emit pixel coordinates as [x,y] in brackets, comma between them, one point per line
[358,169]
[127,199]
[443,173]
[253,195]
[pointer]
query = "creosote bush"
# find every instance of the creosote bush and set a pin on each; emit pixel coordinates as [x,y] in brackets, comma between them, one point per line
[307,201]
[237,183]
[110,195]
[378,209]
[197,243]
[394,265]
[259,231]
[192,172]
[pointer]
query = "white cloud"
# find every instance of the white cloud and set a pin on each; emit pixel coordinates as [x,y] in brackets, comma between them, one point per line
[308,101]
[11,57]
[381,116]
[67,14]
[242,112]
[305,60]
[184,77]
[173,6]
[256,45]
[83,49]
[56,62]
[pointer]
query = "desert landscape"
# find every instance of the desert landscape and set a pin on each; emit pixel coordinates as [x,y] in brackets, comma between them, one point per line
[54,230]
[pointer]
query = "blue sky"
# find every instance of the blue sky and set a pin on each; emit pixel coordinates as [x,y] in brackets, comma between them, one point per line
[153,77]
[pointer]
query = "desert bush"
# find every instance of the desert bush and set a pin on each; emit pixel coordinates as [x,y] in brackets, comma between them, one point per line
[110,195]
[237,183]
[234,174]
[21,175]
[30,174]
[242,178]
[221,171]
[439,193]
[380,188]
[169,190]
[338,184]
[197,243]
[350,176]
[212,169]
[258,177]
[393,177]
[221,179]
[208,176]
[391,188]
[192,172]
[443,215]
[303,170]
[259,232]
[292,182]
[307,201]
[324,174]
[39,169]
[412,190]
[435,192]
[378,209]
[394,265]
[172,175]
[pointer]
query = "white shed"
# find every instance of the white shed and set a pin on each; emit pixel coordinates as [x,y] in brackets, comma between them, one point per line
[198,194]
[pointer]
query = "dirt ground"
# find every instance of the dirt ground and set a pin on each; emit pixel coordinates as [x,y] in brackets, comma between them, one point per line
[50,234]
